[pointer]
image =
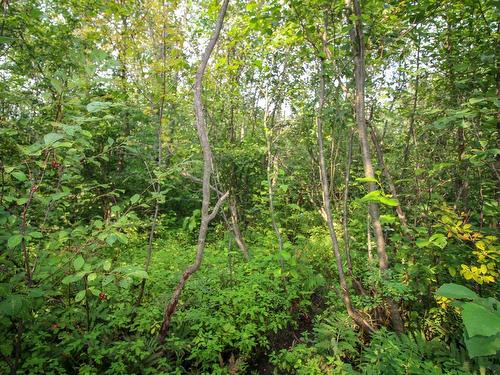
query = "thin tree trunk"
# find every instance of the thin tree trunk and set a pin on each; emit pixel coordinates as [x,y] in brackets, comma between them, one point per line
[238,238]
[357,38]
[346,297]
[234,224]
[206,215]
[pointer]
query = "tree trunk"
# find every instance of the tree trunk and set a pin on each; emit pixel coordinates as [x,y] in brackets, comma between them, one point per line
[206,215]
[357,39]
[346,297]
[238,238]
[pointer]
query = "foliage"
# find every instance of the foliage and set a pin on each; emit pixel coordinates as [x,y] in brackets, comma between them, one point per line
[390,354]
[481,319]
[100,196]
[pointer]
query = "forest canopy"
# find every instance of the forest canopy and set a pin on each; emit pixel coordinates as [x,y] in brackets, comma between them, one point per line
[249,187]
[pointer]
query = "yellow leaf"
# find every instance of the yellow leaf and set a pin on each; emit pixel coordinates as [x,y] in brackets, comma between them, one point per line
[489,279]
[481,245]
[484,269]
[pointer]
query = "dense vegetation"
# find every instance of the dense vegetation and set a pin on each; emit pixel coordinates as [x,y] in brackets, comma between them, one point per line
[264,186]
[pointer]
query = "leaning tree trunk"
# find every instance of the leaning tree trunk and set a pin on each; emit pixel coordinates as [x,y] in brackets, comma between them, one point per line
[346,296]
[238,237]
[357,39]
[206,215]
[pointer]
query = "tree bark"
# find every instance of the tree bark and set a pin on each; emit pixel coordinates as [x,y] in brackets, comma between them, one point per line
[357,39]
[238,237]
[206,215]
[346,297]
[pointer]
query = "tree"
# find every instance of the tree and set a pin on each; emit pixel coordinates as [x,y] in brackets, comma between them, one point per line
[206,215]
[358,43]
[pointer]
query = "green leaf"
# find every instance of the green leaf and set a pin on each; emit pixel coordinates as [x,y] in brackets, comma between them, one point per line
[134,198]
[389,219]
[389,201]
[480,346]
[111,239]
[78,263]
[67,280]
[366,179]
[121,237]
[73,278]
[479,321]
[285,255]
[14,241]
[80,295]
[92,276]
[452,271]
[71,129]
[439,240]
[456,291]
[22,201]
[106,266]
[36,234]
[376,196]
[94,291]
[20,176]
[422,243]
[139,274]
[52,138]
[36,293]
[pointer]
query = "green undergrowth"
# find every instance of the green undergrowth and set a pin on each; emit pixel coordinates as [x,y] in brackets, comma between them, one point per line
[277,313]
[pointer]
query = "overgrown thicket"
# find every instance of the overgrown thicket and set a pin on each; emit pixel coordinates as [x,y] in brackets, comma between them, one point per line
[282,186]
